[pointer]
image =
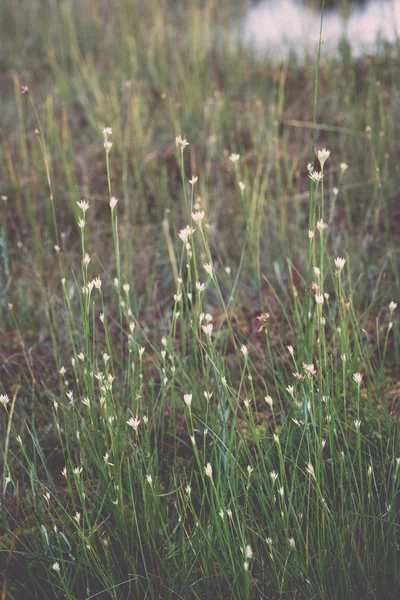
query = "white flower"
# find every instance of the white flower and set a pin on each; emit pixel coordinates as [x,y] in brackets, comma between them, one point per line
[244,350]
[234,158]
[343,167]
[310,370]
[321,225]
[310,469]
[200,286]
[107,146]
[4,399]
[134,423]
[208,470]
[317,271]
[113,203]
[56,567]
[323,156]
[181,143]
[339,263]
[310,234]
[81,223]
[107,131]
[77,470]
[193,180]
[83,205]
[292,543]
[188,399]
[357,378]
[198,216]
[185,233]
[77,517]
[86,259]
[274,476]
[291,351]
[248,552]
[357,424]
[290,389]
[269,400]
[316,176]
[188,490]
[392,306]
[105,458]
[242,186]
[208,268]
[319,299]
[208,329]
[149,479]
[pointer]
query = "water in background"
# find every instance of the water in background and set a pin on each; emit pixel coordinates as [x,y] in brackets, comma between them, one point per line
[279,27]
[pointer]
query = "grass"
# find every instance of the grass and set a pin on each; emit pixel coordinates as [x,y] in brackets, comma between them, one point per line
[195,405]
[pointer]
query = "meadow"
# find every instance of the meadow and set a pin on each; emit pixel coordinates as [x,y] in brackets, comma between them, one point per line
[199,278]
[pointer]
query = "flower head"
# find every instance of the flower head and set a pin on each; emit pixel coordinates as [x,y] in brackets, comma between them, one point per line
[323,156]
[181,143]
[208,470]
[208,268]
[339,263]
[134,423]
[234,158]
[83,205]
[244,350]
[185,233]
[316,176]
[113,203]
[188,399]
[198,216]
[4,399]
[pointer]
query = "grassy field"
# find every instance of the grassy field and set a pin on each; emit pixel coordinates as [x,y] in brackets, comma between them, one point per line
[199,345]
